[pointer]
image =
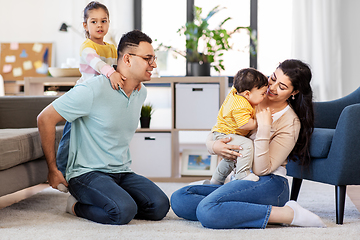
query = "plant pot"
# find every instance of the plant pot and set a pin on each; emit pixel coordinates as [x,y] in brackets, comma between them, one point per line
[197,69]
[145,122]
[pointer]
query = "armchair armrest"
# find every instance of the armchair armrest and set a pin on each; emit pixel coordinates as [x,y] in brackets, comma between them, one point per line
[344,154]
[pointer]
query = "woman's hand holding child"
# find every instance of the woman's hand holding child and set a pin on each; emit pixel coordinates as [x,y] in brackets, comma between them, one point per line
[224,150]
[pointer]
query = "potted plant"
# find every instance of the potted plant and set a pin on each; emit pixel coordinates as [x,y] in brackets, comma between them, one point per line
[214,42]
[146,111]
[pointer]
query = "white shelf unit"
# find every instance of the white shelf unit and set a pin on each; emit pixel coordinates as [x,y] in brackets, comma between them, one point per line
[193,106]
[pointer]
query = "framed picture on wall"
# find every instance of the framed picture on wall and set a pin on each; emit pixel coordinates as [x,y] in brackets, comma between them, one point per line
[197,162]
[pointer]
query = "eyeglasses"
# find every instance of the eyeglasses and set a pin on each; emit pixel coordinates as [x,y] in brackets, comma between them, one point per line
[150,59]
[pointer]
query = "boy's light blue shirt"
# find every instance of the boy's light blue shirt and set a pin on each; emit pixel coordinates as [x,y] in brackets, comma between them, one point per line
[103,122]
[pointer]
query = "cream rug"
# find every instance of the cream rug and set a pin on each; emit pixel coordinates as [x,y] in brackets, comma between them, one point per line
[42,216]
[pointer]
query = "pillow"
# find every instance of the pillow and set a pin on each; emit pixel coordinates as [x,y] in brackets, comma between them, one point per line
[320,142]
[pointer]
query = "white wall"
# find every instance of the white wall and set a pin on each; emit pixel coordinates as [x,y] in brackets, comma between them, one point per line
[40,21]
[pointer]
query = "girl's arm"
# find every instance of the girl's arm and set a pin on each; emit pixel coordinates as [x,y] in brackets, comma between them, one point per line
[94,62]
[272,149]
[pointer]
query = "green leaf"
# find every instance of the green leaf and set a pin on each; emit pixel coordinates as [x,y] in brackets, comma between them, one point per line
[147,110]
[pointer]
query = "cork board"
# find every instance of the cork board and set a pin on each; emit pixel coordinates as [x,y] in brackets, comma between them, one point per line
[19,60]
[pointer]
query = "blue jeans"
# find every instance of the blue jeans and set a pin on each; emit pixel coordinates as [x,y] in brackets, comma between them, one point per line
[117,198]
[237,204]
[63,150]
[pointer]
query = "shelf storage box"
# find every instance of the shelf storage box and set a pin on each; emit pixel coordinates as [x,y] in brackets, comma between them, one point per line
[197,105]
[151,154]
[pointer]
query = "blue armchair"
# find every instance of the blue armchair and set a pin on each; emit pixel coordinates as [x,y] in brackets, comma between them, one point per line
[334,149]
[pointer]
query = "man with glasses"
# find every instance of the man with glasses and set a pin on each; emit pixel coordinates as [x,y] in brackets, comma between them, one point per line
[102,185]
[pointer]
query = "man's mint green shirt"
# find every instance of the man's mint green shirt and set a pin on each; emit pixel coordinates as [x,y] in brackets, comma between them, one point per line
[103,122]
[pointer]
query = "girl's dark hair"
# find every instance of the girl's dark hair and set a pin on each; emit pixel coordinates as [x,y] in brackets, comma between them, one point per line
[249,78]
[91,6]
[300,76]
[131,39]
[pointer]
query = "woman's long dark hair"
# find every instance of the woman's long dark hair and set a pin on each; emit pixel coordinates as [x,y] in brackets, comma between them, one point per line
[300,76]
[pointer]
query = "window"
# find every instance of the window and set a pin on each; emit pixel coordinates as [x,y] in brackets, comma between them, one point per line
[274,32]
[162,25]
[239,11]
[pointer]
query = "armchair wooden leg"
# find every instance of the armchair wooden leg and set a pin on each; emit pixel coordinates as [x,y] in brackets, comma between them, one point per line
[295,188]
[340,192]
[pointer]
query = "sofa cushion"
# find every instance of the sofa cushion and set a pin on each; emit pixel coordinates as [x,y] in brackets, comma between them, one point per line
[21,111]
[320,142]
[21,145]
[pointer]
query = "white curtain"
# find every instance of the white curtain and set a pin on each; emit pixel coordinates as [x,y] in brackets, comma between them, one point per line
[317,41]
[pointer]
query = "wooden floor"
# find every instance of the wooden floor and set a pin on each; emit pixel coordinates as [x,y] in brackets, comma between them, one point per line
[352,191]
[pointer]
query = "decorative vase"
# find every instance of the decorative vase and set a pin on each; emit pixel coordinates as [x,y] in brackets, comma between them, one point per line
[145,122]
[197,69]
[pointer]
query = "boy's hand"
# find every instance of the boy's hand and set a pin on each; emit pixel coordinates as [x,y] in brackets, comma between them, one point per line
[264,117]
[117,80]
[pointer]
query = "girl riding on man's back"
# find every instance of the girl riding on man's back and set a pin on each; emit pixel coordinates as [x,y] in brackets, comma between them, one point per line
[96,57]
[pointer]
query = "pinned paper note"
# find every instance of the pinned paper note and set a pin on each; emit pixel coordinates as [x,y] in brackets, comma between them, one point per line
[17,72]
[7,68]
[38,64]
[23,54]
[10,59]
[27,65]
[14,46]
[19,60]
[37,47]
[43,69]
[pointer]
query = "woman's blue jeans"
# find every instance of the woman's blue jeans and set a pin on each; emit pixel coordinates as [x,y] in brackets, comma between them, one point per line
[117,198]
[237,204]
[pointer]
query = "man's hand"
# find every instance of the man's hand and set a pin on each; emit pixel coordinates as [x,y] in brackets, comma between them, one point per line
[46,121]
[55,178]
